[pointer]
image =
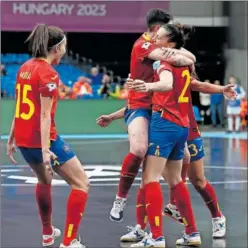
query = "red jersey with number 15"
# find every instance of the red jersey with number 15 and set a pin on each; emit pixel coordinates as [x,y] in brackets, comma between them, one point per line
[34,79]
[174,104]
[141,68]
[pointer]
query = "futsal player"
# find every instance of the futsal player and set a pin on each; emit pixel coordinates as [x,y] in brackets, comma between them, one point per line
[193,166]
[34,131]
[137,113]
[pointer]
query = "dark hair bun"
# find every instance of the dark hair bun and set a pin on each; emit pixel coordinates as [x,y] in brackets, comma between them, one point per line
[185,29]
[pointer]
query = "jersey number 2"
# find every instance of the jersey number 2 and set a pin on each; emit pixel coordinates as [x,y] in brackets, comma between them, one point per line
[22,98]
[182,98]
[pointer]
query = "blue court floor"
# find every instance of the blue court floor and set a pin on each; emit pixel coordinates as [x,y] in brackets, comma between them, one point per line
[225,167]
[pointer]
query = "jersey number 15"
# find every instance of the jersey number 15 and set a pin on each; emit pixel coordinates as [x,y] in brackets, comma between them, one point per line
[22,98]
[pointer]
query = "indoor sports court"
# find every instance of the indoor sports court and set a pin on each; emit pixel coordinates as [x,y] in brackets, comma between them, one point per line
[225,166]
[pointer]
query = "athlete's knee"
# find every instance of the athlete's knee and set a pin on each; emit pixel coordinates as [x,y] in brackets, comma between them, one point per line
[44,179]
[173,181]
[198,183]
[150,177]
[81,182]
[139,149]
[186,158]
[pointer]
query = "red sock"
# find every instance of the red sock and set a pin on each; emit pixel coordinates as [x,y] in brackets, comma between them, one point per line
[184,172]
[75,209]
[183,175]
[183,203]
[209,196]
[44,201]
[154,207]
[141,217]
[130,168]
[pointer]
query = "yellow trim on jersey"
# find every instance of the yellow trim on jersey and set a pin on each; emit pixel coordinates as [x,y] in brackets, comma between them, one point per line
[146,37]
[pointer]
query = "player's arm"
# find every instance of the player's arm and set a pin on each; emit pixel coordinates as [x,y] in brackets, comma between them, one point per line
[175,57]
[11,148]
[45,121]
[180,57]
[208,88]
[11,132]
[105,120]
[165,82]
[48,88]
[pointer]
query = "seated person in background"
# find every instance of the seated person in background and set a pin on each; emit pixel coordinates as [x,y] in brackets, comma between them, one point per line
[81,87]
[234,107]
[121,91]
[3,70]
[217,107]
[95,76]
[106,85]
[64,91]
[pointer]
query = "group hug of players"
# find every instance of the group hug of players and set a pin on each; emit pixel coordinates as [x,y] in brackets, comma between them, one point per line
[162,131]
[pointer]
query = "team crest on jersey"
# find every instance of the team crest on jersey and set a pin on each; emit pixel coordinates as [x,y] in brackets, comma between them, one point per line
[156,65]
[51,86]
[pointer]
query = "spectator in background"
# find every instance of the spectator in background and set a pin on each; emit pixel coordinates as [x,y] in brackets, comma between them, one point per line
[95,76]
[217,107]
[3,70]
[64,91]
[205,103]
[81,88]
[121,91]
[106,86]
[234,107]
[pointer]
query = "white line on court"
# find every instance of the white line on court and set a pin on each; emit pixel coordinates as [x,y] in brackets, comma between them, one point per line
[116,167]
[115,184]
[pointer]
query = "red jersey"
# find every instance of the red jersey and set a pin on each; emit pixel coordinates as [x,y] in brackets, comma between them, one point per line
[141,68]
[194,132]
[35,77]
[174,104]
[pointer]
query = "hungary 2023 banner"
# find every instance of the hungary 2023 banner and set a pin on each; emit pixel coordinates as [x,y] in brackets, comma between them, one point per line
[78,16]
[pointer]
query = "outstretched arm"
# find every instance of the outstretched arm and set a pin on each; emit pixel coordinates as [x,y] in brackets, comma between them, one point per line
[209,88]
[105,120]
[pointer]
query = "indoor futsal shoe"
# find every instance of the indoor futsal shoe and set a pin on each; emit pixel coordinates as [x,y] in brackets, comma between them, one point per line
[219,227]
[148,241]
[135,234]
[48,240]
[172,212]
[116,213]
[74,244]
[193,239]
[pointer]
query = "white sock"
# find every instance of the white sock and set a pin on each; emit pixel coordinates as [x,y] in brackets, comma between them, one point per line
[230,123]
[237,123]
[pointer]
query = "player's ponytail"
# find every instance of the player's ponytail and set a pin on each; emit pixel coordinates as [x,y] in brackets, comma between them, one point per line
[187,31]
[43,38]
[38,41]
[178,33]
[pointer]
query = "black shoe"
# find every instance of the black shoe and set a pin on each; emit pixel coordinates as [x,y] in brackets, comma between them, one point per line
[228,131]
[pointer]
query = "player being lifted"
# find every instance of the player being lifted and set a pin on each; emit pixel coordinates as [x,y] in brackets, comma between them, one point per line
[138,111]
[33,130]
